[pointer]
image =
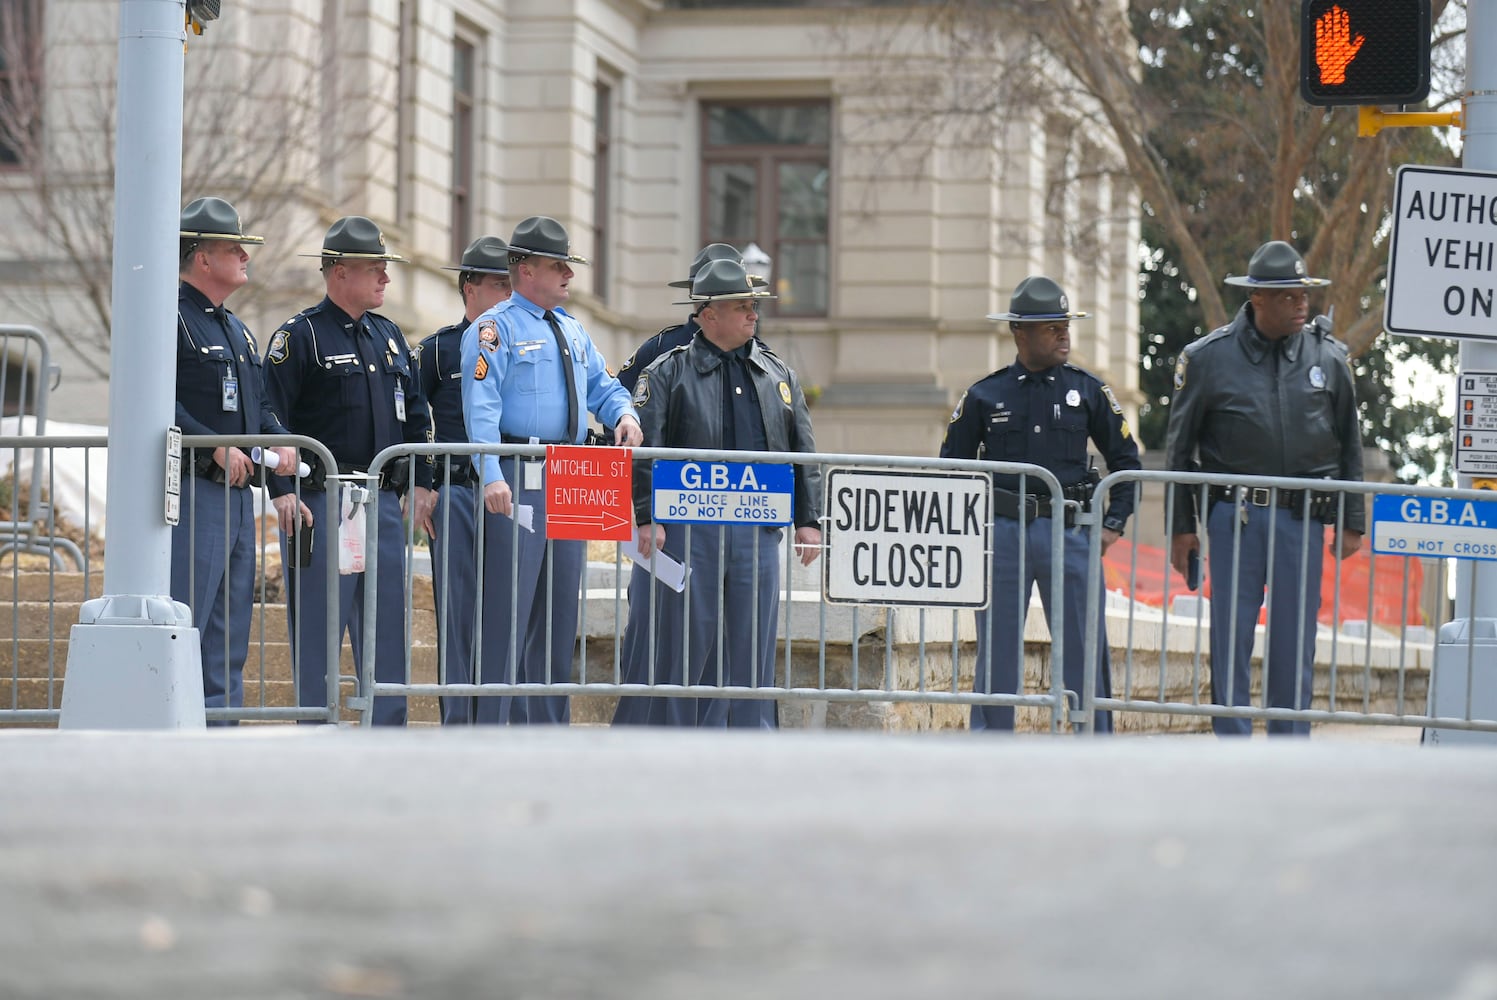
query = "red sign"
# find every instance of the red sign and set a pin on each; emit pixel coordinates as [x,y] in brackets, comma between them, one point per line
[588,493]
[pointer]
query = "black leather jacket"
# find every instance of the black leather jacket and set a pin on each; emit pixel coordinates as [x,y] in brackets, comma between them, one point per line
[680,406]
[1252,406]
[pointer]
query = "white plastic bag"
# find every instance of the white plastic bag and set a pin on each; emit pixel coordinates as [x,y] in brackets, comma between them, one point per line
[351,529]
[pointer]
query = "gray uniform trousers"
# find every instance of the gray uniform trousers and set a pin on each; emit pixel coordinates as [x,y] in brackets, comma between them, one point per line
[531,596]
[213,573]
[739,565]
[454,580]
[307,613]
[1000,628]
[1289,667]
[637,654]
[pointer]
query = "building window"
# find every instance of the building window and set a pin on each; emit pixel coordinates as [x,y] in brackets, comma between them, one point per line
[464,145]
[20,81]
[766,180]
[602,176]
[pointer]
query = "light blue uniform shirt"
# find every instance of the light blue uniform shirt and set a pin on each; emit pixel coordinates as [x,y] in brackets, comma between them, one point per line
[512,380]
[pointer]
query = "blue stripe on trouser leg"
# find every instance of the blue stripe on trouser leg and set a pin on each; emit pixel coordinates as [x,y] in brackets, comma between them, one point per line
[454,577]
[308,614]
[723,559]
[199,566]
[640,648]
[1001,625]
[1291,649]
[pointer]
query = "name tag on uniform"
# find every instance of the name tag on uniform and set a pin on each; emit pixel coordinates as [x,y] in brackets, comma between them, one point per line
[231,394]
[532,475]
[400,403]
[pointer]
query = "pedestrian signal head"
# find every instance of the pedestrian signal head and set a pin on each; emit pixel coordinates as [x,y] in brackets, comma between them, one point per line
[1364,52]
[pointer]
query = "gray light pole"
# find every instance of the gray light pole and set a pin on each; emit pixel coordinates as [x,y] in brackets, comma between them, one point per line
[1476,581]
[133,659]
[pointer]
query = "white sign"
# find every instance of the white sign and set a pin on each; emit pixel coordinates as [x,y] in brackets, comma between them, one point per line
[1476,423]
[1434,527]
[908,538]
[723,493]
[173,475]
[1442,257]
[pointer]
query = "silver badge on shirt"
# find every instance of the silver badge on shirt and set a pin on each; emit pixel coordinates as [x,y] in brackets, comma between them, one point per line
[1073,398]
[1317,376]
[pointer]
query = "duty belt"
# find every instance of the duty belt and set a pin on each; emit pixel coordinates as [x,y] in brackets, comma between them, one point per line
[454,470]
[394,477]
[1026,507]
[592,437]
[1322,506]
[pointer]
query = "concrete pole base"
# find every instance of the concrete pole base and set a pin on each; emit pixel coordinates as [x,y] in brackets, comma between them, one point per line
[133,663]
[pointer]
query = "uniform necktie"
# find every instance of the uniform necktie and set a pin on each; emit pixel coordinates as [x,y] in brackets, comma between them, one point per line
[566,375]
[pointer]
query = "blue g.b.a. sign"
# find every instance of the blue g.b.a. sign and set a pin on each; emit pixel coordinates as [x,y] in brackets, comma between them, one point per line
[724,493]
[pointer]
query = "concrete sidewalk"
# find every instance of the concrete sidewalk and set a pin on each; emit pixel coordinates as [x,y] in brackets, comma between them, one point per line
[280,863]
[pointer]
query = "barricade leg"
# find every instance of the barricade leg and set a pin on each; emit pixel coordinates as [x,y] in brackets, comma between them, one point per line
[307,615]
[1073,641]
[999,626]
[1289,669]
[1233,628]
[454,580]
[199,566]
[389,628]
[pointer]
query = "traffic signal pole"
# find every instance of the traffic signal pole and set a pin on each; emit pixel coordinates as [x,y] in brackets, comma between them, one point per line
[1476,580]
[133,659]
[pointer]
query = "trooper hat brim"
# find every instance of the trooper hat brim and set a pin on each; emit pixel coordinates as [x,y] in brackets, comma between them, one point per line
[1247,281]
[226,237]
[707,300]
[501,271]
[1012,317]
[349,255]
[521,252]
[758,279]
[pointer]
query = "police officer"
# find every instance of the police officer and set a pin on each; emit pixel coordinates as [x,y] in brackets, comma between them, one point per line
[1265,395]
[722,392]
[1041,411]
[343,374]
[633,709]
[530,376]
[679,335]
[220,390]
[483,282]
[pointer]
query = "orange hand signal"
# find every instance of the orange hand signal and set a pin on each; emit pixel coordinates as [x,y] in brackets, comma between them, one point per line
[1334,46]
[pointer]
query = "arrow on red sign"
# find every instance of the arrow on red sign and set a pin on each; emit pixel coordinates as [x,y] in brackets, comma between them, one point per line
[604,520]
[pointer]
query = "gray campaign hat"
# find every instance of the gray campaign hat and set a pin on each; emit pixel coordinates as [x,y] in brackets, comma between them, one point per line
[1276,264]
[720,280]
[486,255]
[1038,298]
[214,219]
[542,236]
[705,256]
[354,237]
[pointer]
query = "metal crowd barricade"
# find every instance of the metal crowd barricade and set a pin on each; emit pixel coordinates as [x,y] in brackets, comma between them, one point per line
[1366,671]
[267,680]
[26,381]
[821,675]
[45,600]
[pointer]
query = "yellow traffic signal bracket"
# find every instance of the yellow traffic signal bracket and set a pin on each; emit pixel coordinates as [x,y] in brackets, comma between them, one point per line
[1371,121]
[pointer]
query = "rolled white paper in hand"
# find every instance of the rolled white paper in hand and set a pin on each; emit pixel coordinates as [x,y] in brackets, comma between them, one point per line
[270,460]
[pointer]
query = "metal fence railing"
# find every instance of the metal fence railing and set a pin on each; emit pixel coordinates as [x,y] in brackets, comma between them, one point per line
[27,378]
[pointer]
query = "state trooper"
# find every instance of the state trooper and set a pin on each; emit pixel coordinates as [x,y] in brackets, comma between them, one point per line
[220,390]
[722,392]
[679,335]
[531,375]
[1041,410]
[483,282]
[1266,395]
[634,709]
[343,374]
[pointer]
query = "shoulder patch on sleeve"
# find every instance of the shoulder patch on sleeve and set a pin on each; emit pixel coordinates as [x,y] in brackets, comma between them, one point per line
[956,414]
[1180,366]
[1112,400]
[642,390]
[628,363]
[280,348]
[488,335]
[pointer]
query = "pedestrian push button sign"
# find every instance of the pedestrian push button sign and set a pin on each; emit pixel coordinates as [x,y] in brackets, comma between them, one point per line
[723,493]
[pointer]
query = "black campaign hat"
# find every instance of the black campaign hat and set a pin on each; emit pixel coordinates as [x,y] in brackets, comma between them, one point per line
[719,280]
[354,237]
[1037,299]
[1276,264]
[705,256]
[542,236]
[486,255]
[213,219]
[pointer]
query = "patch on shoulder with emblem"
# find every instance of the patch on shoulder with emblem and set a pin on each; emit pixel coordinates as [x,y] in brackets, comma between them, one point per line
[642,390]
[785,392]
[1112,400]
[629,363]
[956,414]
[1180,371]
[481,370]
[280,347]
[488,335]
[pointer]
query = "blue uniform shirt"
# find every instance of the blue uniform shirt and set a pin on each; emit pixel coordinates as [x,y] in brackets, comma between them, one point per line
[213,345]
[512,380]
[1045,419]
[337,380]
[439,368]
